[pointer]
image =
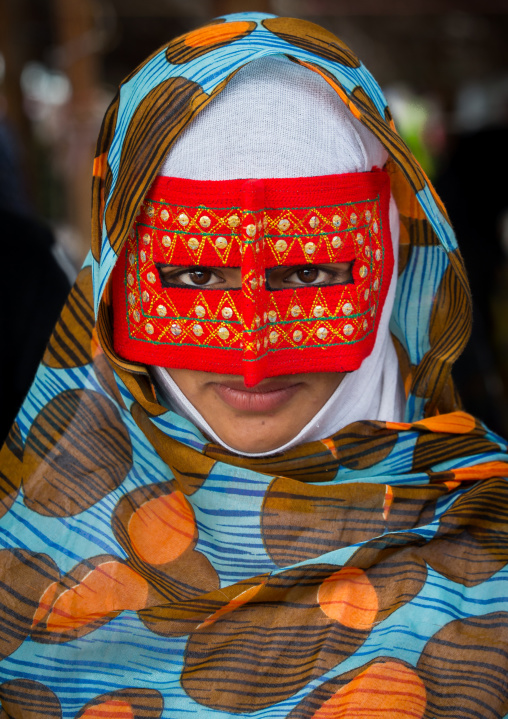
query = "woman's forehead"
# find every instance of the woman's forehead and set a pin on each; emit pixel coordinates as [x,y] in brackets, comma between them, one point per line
[275,118]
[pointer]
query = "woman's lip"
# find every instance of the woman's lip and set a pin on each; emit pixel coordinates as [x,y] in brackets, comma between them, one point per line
[254,399]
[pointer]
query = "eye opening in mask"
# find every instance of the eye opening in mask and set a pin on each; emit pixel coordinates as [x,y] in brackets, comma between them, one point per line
[322,275]
[200,277]
[277,278]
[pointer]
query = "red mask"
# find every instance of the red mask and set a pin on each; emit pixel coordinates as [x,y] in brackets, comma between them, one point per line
[256,225]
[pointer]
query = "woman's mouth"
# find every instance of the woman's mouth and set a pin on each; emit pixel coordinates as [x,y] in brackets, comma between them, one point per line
[265,398]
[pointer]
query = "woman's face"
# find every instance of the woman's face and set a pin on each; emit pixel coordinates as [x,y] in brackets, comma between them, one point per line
[266,416]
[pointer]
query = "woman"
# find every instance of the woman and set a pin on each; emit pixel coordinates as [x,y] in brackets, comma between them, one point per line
[217,500]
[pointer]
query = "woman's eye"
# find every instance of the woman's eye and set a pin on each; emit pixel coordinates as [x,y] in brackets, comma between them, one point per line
[191,277]
[308,275]
[315,275]
[338,273]
[224,278]
[197,277]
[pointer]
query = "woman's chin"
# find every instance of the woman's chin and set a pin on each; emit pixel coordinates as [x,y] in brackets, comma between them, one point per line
[259,439]
[259,419]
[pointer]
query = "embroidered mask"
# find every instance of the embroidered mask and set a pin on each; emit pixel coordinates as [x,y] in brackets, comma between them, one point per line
[255,330]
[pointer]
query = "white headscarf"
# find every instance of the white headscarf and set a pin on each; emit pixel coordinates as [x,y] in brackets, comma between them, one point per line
[278,119]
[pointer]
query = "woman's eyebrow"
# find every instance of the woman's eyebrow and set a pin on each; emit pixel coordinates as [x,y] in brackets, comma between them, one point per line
[189,268]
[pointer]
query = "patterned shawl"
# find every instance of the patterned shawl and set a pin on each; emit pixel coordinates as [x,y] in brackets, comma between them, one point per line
[147,573]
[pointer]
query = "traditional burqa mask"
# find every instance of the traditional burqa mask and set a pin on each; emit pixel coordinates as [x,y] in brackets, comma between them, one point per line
[274,173]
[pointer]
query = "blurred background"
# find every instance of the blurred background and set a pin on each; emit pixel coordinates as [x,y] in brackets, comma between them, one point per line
[443,65]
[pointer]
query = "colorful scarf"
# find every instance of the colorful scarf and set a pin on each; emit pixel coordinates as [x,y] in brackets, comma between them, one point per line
[148,573]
